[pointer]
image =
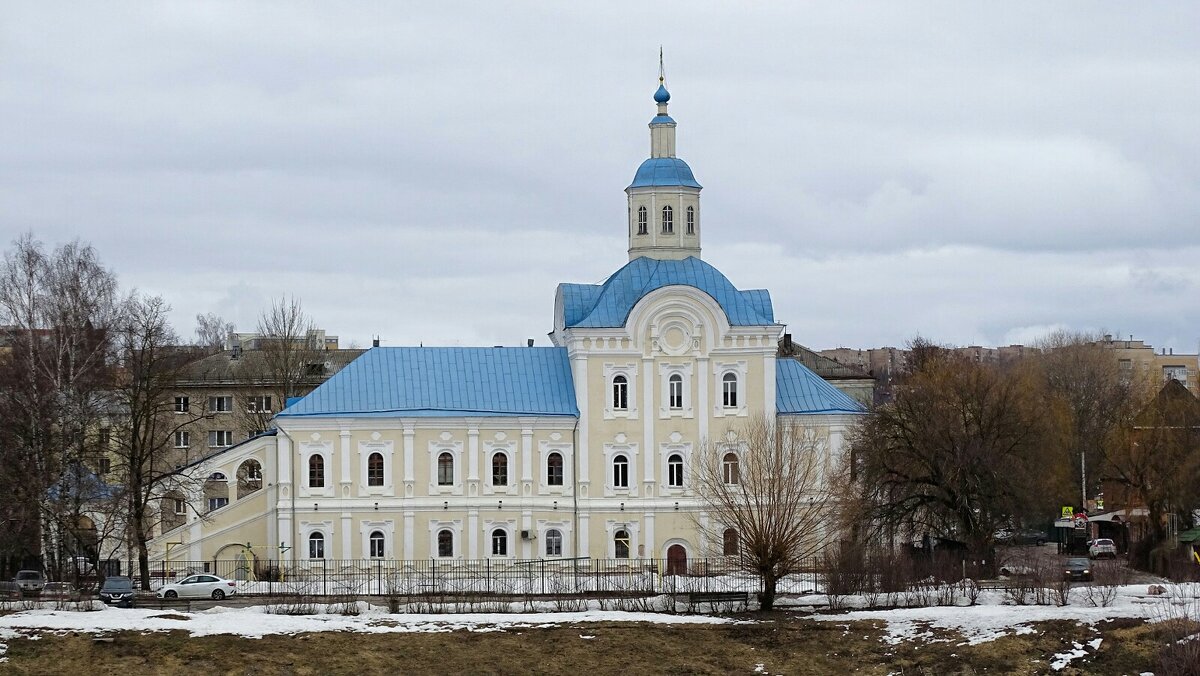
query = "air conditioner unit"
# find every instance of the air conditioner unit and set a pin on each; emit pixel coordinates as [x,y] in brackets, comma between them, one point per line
[526,535]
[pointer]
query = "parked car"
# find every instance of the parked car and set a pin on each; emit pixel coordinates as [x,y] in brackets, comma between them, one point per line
[60,591]
[1102,547]
[1029,536]
[30,580]
[1077,569]
[117,591]
[10,591]
[1002,536]
[199,586]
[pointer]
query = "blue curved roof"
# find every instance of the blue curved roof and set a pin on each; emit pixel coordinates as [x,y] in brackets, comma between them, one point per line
[446,381]
[664,171]
[662,119]
[800,391]
[661,95]
[608,305]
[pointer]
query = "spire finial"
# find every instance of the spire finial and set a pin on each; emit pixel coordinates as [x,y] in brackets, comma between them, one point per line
[662,74]
[662,95]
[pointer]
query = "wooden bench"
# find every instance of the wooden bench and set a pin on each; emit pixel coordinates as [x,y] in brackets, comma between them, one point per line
[719,597]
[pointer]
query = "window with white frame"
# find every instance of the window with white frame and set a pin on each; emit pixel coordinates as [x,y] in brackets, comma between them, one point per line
[642,221]
[220,438]
[445,469]
[377,543]
[730,472]
[554,469]
[499,542]
[691,220]
[316,546]
[183,439]
[223,404]
[620,471]
[675,471]
[254,433]
[316,471]
[217,503]
[445,543]
[621,544]
[620,392]
[258,404]
[180,506]
[181,404]
[375,469]
[729,390]
[675,392]
[554,542]
[500,469]
[668,220]
[1175,373]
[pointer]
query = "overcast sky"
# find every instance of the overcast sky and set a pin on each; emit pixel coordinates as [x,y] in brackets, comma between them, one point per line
[428,172]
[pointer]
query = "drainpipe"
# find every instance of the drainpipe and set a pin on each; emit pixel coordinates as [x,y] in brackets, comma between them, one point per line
[575,491]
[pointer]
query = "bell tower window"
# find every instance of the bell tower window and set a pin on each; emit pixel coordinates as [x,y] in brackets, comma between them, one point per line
[691,220]
[642,221]
[668,220]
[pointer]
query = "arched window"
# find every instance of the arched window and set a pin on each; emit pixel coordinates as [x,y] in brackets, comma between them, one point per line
[691,220]
[675,391]
[675,471]
[621,544]
[668,220]
[729,542]
[553,542]
[729,469]
[499,542]
[377,544]
[316,471]
[445,470]
[729,390]
[620,393]
[375,469]
[620,472]
[249,475]
[554,469]
[500,469]
[642,221]
[445,543]
[316,546]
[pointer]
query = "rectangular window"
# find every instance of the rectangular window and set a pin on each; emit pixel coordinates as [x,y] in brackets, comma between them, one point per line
[220,438]
[220,404]
[180,506]
[217,503]
[182,439]
[258,404]
[377,547]
[105,436]
[181,404]
[105,466]
[1175,373]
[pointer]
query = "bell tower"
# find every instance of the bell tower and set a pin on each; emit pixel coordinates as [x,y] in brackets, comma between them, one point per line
[664,197]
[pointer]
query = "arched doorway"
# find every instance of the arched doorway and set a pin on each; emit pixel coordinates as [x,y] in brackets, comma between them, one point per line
[676,560]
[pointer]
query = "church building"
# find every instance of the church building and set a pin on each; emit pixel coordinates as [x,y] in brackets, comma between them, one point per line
[582,449]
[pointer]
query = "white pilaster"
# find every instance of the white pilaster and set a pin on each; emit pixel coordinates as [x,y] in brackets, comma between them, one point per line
[410,519]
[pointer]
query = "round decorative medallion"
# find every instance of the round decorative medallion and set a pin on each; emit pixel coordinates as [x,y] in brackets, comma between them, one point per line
[446,436]
[555,436]
[315,436]
[376,436]
[675,437]
[621,437]
[501,436]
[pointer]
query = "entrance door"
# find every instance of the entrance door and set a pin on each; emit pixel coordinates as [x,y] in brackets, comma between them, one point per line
[676,560]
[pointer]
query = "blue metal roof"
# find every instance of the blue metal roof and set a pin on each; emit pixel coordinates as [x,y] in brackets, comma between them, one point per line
[799,390]
[446,381]
[662,95]
[664,171]
[608,305]
[662,119]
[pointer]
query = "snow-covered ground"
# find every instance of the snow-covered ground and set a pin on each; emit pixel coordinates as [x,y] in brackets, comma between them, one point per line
[988,620]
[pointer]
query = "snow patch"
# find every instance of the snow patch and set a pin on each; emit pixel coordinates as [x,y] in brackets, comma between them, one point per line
[1061,660]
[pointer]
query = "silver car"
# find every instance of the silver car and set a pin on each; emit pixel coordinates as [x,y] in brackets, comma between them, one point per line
[30,580]
[203,586]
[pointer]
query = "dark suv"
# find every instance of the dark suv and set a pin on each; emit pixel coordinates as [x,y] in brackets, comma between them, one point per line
[117,591]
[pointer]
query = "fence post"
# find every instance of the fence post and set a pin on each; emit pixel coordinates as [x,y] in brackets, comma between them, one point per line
[543,567]
[324,577]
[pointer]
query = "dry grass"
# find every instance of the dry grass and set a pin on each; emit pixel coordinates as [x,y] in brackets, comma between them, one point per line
[784,644]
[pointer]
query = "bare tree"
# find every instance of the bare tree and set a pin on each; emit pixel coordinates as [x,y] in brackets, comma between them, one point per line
[765,498]
[956,454]
[58,308]
[289,347]
[147,420]
[211,331]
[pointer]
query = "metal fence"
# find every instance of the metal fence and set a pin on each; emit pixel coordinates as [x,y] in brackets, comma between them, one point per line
[492,577]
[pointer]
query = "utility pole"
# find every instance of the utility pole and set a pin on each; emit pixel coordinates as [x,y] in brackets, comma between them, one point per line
[1082,480]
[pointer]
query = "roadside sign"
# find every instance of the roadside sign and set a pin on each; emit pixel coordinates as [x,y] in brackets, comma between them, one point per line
[1081,521]
[1068,512]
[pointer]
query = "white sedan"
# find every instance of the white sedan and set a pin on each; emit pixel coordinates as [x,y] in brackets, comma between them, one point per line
[199,586]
